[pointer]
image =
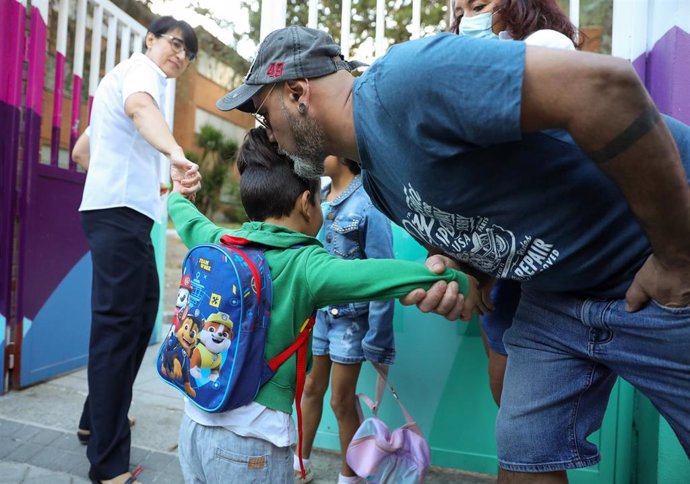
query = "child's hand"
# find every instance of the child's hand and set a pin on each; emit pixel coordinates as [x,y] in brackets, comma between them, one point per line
[178,187]
[184,174]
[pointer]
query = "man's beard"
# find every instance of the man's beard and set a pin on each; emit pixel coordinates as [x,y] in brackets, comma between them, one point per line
[309,141]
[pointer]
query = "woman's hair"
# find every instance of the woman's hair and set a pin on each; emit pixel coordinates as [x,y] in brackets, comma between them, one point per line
[352,165]
[524,17]
[269,186]
[163,25]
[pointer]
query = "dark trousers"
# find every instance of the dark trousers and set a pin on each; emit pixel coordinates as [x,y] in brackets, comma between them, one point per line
[124,305]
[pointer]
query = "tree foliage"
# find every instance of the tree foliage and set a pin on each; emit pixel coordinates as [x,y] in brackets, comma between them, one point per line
[398,15]
[215,162]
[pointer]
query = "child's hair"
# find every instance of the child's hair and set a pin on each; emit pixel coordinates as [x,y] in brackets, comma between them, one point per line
[269,186]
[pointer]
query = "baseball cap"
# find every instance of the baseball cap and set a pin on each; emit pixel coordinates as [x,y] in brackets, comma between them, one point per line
[286,54]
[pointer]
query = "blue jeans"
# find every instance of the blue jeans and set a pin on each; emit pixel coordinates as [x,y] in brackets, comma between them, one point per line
[564,354]
[215,455]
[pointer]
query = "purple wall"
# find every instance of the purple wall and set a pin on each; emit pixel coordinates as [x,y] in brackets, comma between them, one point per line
[665,70]
[54,239]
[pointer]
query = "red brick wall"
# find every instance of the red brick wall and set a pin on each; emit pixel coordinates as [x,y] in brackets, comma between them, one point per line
[196,91]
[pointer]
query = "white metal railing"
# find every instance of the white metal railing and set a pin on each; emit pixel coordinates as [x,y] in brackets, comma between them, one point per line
[274,18]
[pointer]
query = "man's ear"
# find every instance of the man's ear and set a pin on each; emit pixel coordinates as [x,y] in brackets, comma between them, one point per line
[298,91]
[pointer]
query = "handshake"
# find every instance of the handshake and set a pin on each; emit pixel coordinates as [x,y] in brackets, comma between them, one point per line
[186,179]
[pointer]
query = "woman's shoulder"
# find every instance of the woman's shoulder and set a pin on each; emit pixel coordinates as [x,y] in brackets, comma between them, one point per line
[550,38]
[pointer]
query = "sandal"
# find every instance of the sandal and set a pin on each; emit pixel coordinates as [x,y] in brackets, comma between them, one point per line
[132,479]
[308,476]
[83,436]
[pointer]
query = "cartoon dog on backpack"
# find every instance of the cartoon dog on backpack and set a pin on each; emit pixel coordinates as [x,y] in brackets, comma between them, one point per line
[175,361]
[215,338]
[182,302]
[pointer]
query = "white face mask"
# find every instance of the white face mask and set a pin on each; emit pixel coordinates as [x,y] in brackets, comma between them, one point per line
[478,26]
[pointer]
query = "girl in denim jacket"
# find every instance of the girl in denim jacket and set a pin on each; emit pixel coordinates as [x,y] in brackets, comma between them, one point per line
[346,335]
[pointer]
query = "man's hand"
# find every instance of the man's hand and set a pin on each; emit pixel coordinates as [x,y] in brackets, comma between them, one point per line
[667,285]
[184,174]
[442,298]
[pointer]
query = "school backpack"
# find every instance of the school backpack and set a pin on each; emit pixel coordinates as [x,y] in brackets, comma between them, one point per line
[214,351]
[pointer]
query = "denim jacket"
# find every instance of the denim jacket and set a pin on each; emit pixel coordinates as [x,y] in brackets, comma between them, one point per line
[354,229]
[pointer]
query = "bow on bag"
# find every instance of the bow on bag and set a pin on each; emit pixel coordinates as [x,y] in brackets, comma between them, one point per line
[381,456]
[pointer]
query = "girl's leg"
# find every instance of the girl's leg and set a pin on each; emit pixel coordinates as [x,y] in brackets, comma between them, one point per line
[343,403]
[312,401]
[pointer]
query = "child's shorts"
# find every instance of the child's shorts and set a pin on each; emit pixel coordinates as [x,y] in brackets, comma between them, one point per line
[340,336]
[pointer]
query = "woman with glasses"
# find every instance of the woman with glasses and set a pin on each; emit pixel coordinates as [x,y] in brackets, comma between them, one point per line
[537,22]
[121,201]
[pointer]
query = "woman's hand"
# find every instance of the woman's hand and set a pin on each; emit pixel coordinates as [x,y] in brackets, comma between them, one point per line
[184,174]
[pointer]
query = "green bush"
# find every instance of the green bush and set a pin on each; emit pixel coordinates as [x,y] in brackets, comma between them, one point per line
[216,161]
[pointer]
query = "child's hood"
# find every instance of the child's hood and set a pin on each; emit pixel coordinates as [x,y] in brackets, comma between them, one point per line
[274,235]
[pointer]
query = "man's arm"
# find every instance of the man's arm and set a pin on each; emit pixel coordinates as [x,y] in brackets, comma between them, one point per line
[609,114]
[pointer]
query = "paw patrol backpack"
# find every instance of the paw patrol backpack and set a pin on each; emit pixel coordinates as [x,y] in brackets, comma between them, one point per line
[214,351]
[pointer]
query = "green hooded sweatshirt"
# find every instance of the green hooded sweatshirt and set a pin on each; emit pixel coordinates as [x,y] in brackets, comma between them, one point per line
[305,278]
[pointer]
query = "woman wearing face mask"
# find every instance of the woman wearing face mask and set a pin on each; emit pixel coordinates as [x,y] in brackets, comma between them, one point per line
[536,22]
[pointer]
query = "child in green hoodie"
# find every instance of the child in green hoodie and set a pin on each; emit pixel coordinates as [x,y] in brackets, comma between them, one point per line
[252,443]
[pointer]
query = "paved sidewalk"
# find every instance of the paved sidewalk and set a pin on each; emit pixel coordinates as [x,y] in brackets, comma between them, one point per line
[38,442]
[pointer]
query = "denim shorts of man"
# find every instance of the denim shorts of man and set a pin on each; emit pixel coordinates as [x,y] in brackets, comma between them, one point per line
[354,229]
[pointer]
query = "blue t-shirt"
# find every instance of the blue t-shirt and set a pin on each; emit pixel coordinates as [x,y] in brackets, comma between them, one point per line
[437,122]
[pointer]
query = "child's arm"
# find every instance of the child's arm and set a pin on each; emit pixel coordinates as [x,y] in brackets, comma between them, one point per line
[192,226]
[336,281]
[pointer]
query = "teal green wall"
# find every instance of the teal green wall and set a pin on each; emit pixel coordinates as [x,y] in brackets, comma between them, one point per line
[660,457]
[158,237]
[675,466]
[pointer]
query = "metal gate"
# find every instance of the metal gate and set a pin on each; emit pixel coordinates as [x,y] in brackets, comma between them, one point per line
[45,274]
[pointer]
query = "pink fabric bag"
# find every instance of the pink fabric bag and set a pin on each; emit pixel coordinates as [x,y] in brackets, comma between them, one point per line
[381,456]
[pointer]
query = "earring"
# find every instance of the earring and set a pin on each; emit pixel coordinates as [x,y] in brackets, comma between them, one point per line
[302,108]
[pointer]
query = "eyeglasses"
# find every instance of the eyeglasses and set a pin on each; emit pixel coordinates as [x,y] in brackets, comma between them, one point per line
[178,46]
[262,120]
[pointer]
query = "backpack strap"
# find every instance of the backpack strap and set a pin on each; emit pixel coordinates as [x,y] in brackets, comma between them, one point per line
[300,346]
[230,243]
[228,239]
